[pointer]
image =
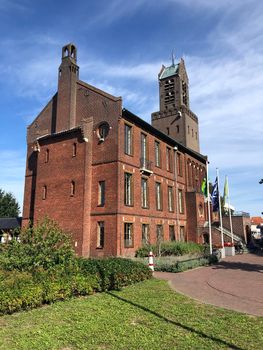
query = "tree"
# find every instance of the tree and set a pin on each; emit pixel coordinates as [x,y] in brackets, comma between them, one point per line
[9,206]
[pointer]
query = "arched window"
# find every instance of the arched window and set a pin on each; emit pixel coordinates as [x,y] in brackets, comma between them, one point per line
[103,131]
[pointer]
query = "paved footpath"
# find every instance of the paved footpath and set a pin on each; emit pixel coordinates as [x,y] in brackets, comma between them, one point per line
[235,283]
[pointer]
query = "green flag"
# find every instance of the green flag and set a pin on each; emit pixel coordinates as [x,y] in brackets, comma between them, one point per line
[226,193]
[204,187]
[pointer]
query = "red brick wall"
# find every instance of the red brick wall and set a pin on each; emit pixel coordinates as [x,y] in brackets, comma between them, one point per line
[56,175]
[240,225]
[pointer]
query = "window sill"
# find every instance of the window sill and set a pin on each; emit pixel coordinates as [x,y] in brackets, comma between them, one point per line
[127,154]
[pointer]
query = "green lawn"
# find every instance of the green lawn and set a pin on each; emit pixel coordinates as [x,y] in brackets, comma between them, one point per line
[145,316]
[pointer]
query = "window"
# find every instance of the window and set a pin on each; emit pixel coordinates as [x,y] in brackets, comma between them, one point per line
[184,90]
[101,193]
[188,128]
[168,159]
[100,234]
[157,153]
[158,190]
[182,234]
[72,188]
[128,190]
[201,210]
[145,234]
[74,150]
[128,235]
[128,139]
[44,192]
[190,175]
[177,129]
[144,193]
[179,165]
[169,97]
[171,233]
[170,199]
[159,233]
[181,201]
[103,131]
[143,146]
[196,135]
[168,131]
[47,156]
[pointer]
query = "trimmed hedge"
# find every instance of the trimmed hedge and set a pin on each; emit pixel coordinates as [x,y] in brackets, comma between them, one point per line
[181,266]
[115,273]
[171,248]
[26,290]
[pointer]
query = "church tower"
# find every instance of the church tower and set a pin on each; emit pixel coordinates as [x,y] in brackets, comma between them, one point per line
[68,75]
[175,117]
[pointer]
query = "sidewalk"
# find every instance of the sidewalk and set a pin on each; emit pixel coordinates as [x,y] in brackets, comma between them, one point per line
[235,283]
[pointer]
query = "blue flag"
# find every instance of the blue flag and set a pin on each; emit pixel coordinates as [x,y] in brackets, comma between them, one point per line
[215,196]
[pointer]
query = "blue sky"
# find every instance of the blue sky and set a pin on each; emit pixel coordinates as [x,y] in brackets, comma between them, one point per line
[121,47]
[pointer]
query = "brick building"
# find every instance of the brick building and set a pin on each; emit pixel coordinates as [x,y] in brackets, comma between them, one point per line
[107,176]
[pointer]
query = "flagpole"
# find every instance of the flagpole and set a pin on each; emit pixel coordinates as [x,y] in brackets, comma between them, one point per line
[229,212]
[208,210]
[220,215]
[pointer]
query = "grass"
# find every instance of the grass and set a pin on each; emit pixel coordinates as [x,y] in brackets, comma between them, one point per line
[145,316]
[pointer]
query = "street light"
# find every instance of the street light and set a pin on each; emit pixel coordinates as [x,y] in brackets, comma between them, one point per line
[261,182]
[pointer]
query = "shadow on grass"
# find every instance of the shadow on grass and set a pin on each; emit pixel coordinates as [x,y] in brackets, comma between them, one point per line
[178,324]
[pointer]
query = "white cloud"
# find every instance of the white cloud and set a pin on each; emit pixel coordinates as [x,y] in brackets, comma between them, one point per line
[13,5]
[113,10]
[142,71]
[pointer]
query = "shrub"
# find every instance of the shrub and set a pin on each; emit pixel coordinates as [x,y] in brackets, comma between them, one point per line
[19,292]
[181,266]
[24,290]
[115,273]
[44,245]
[171,248]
